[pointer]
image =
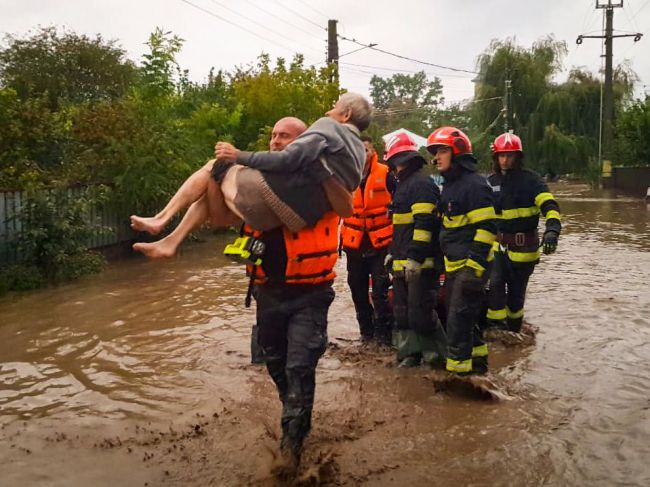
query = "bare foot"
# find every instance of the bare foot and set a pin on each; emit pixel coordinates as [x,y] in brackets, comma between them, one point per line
[156,250]
[152,225]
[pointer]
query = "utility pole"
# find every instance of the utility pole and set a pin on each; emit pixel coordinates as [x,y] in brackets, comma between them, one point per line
[507,106]
[333,49]
[607,122]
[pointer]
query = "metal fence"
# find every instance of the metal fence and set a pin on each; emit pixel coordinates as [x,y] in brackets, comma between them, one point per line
[11,226]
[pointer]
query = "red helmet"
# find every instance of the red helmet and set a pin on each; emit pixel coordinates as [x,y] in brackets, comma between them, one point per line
[399,142]
[449,137]
[507,143]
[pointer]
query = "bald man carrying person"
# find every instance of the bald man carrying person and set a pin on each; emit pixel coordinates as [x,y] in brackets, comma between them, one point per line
[294,188]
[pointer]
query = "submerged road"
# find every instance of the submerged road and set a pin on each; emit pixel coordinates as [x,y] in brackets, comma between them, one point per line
[141,375]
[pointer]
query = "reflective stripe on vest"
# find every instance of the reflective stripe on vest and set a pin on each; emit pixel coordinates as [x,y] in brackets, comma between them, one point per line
[370,212]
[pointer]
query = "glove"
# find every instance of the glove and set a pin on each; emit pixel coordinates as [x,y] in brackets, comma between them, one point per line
[549,241]
[412,270]
[471,284]
[388,260]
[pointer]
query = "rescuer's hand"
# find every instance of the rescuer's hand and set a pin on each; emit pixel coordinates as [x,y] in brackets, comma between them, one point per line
[388,261]
[412,270]
[549,241]
[225,152]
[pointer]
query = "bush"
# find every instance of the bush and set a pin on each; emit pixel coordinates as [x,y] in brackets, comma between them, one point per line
[56,231]
[21,278]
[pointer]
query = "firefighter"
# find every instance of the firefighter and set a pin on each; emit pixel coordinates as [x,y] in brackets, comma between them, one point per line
[468,232]
[365,237]
[415,257]
[520,196]
[292,275]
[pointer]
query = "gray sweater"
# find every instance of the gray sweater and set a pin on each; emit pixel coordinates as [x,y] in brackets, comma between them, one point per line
[326,148]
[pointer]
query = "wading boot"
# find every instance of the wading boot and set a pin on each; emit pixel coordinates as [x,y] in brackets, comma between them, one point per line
[479,365]
[514,324]
[409,362]
[496,324]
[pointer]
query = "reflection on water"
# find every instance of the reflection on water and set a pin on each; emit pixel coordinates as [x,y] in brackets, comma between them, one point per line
[150,339]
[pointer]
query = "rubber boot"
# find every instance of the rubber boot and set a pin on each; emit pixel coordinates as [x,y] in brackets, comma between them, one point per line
[435,348]
[409,362]
[514,324]
[480,365]
[496,324]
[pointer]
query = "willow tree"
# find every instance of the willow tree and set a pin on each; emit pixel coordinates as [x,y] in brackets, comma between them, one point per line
[558,122]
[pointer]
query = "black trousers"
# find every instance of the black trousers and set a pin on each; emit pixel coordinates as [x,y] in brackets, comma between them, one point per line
[465,300]
[507,291]
[292,333]
[375,318]
[257,357]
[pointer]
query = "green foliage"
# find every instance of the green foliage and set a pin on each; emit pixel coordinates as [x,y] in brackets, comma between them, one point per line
[406,101]
[21,277]
[159,65]
[64,66]
[633,134]
[56,230]
[268,93]
[558,123]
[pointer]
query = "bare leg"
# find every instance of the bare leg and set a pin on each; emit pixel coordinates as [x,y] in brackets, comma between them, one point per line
[196,215]
[192,189]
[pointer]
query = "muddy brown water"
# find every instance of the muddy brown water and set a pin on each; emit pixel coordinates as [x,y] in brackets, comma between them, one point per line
[141,376]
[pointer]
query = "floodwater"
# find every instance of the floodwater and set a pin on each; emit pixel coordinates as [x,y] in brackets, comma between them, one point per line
[141,376]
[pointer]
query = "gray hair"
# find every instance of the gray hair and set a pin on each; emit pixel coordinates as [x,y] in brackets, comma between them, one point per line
[360,108]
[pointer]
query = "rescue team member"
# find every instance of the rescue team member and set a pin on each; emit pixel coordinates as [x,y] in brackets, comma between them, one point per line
[365,237]
[292,275]
[415,256]
[468,232]
[520,196]
[284,132]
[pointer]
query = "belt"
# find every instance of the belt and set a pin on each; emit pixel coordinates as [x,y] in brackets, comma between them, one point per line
[519,239]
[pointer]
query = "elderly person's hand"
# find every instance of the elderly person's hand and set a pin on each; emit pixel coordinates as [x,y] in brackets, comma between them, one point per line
[225,152]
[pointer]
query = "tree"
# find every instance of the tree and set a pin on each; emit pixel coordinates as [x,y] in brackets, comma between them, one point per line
[633,134]
[268,93]
[159,65]
[409,101]
[558,122]
[64,66]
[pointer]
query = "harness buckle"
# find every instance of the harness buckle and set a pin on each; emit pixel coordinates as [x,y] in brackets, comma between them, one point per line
[520,239]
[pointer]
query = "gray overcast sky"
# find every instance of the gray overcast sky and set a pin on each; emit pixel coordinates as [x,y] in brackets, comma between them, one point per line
[446,32]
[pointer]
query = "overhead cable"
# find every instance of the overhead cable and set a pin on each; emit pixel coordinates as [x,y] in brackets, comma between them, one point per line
[370,46]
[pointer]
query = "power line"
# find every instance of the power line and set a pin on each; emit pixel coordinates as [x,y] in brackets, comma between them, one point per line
[267,12]
[301,16]
[223,19]
[459,76]
[314,10]
[370,46]
[248,19]
[632,19]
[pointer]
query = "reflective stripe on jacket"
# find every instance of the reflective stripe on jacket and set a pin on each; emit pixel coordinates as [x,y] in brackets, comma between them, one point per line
[416,225]
[370,211]
[520,196]
[310,256]
[469,222]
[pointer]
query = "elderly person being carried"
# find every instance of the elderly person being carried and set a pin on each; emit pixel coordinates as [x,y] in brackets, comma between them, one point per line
[316,173]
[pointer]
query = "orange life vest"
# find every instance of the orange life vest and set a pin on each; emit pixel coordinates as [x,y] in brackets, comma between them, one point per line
[311,253]
[370,211]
